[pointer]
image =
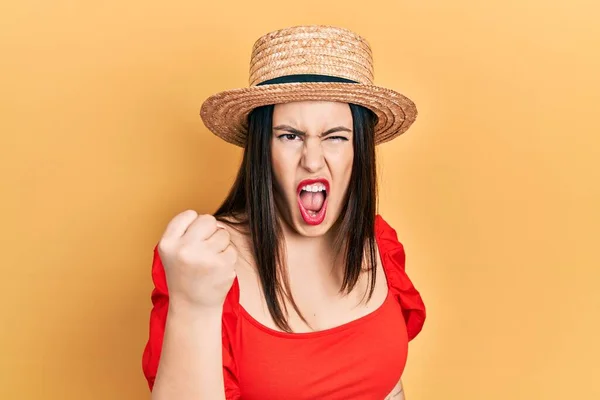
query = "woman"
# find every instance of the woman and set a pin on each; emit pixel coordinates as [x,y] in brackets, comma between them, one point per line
[295,288]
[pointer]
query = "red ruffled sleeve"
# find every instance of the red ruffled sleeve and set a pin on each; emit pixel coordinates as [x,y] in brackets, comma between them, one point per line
[393,259]
[158,318]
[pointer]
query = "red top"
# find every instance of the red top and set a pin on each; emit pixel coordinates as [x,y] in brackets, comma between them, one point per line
[362,359]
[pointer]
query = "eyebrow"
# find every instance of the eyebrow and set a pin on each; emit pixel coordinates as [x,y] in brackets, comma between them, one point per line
[298,132]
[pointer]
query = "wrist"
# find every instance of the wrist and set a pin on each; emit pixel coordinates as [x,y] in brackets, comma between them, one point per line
[186,309]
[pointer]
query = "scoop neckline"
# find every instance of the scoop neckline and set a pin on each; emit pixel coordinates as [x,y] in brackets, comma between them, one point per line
[334,329]
[322,332]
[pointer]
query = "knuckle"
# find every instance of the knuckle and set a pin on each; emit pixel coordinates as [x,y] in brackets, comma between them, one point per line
[164,246]
[184,218]
[207,218]
[189,213]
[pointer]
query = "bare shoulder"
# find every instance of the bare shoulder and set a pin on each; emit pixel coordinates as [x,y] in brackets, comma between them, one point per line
[246,272]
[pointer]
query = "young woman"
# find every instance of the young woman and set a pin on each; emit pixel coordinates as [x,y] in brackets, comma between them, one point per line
[295,288]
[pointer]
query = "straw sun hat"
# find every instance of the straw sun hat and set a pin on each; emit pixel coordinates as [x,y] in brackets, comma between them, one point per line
[313,62]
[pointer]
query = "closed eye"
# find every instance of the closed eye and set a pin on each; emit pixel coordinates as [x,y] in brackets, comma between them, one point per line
[336,138]
[288,137]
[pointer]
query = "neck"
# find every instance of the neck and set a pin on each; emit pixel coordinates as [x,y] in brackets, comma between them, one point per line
[309,254]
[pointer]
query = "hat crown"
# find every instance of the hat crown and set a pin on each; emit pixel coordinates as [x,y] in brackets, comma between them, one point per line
[311,49]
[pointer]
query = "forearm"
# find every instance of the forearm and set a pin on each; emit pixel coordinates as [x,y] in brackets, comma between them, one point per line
[191,362]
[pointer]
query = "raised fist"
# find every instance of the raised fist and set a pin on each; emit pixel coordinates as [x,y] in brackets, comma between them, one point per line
[199,260]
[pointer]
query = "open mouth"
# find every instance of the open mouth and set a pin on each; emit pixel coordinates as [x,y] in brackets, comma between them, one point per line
[312,200]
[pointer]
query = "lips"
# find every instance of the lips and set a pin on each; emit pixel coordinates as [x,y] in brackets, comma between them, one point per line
[307,201]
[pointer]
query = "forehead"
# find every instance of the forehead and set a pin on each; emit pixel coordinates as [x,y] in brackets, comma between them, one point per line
[313,115]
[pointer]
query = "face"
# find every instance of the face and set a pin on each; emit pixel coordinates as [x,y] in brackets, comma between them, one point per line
[312,155]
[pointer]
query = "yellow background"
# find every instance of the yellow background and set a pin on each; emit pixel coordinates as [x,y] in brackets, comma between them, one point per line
[494,191]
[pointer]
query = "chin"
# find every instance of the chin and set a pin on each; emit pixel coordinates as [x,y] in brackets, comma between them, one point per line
[310,228]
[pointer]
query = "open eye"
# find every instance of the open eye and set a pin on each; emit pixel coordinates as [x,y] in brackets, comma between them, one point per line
[288,137]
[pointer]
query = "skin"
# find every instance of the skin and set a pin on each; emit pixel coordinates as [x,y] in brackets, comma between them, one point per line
[397,393]
[191,359]
[310,140]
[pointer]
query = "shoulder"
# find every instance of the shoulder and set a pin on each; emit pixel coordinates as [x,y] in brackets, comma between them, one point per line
[387,237]
[382,226]
[393,259]
[158,317]
[391,250]
[237,228]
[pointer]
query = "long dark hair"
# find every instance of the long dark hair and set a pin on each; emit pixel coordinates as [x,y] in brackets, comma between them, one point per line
[250,205]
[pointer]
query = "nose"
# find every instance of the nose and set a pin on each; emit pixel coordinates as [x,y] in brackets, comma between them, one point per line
[313,158]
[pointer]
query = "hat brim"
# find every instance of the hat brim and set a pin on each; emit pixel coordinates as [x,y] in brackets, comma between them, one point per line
[225,114]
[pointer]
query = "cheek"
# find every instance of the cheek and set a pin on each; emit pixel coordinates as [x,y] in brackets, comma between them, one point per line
[283,169]
[340,162]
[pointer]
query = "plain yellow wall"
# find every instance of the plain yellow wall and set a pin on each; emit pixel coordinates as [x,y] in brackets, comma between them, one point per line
[494,191]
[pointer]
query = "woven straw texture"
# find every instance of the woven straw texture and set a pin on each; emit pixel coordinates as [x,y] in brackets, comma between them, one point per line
[309,49]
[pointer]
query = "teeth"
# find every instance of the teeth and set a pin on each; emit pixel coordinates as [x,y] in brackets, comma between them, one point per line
[317,187]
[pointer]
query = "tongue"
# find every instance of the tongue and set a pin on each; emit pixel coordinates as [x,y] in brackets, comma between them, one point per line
[312,201]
